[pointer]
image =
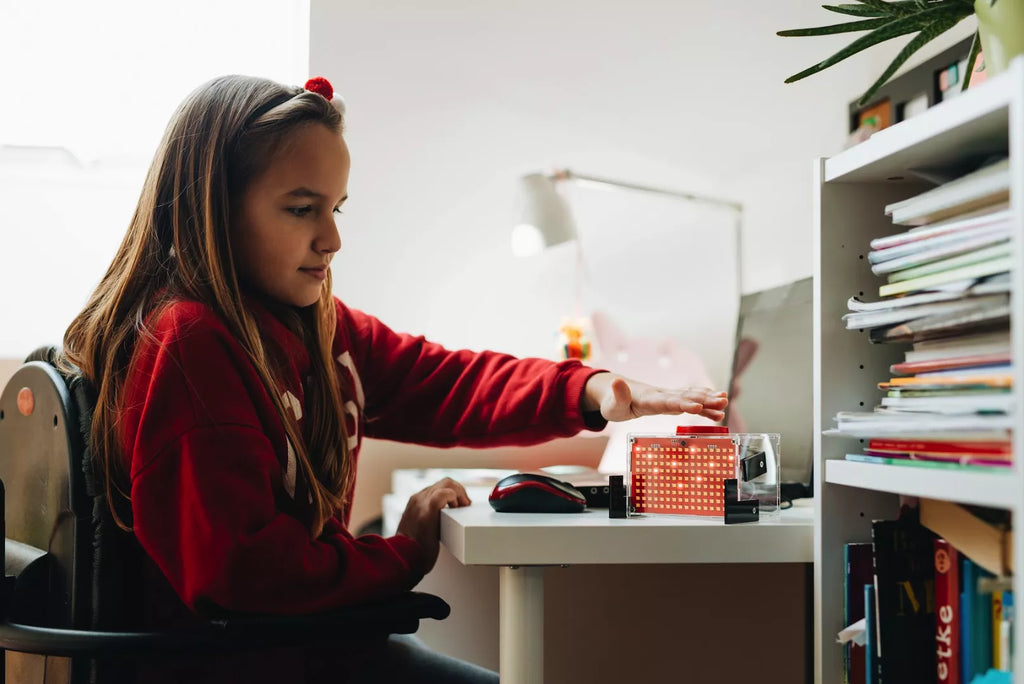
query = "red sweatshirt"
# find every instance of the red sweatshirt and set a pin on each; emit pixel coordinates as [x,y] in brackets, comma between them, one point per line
[215,499]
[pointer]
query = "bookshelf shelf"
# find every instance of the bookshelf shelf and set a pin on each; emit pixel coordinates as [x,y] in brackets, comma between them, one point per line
[978,123]
[997,490]
[852,190]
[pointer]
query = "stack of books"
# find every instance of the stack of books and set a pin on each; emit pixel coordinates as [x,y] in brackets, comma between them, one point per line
[947,293]
[922,606]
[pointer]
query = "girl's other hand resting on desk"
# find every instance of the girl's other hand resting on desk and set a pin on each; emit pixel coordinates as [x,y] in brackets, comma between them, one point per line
[620,398]
[421,520]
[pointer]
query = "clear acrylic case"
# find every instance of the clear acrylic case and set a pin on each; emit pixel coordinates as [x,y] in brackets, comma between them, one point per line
[688,473]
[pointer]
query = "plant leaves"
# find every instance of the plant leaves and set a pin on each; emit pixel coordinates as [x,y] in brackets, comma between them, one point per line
[893,29]
[891,9]
[855,10]
[972,57]
[908,7]
[885,33]
[866,25]
[926,35]
[898,8]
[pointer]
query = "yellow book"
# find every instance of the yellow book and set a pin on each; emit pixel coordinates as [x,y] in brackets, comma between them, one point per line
[1002,380]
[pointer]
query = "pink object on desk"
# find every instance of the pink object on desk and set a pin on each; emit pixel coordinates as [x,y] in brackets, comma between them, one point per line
[661,361]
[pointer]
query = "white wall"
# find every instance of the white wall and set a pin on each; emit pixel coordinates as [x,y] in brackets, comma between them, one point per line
[86,90]
[449,101]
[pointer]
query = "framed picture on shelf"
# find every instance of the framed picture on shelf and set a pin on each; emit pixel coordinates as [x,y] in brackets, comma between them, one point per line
[877,116]
[949,80]
[937,79]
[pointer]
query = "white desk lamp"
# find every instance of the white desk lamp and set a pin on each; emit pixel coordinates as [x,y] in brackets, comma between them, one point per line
[547,219]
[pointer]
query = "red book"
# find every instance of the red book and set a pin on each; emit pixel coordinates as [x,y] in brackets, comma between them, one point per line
[937,447]
[947,612]
[912,367]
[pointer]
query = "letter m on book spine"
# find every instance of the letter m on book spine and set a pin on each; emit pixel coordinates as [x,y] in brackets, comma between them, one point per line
[947,612]
[904,560]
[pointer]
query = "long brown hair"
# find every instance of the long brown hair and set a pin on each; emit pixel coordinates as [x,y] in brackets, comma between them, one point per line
[177,247]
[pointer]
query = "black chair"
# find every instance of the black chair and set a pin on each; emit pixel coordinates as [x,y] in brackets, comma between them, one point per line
[69,570]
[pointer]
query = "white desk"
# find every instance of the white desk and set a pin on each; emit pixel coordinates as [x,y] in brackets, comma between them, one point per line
[525,542]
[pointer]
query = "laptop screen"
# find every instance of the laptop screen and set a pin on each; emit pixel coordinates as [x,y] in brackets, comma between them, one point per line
[771,386]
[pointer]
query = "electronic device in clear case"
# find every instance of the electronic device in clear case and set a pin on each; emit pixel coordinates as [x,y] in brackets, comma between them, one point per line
[705,471]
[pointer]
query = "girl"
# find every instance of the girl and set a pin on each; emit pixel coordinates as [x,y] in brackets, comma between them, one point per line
[234,389]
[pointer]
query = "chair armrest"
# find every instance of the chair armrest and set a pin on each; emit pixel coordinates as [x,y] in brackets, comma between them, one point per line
[396,615]
[371,615]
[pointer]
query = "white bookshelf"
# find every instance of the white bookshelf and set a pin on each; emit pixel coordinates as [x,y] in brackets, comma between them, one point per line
[997,490]
[851,190]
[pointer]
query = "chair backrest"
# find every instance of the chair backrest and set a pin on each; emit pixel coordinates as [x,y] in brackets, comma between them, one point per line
[46,505]
[101,558]
[90,575]
[45,508]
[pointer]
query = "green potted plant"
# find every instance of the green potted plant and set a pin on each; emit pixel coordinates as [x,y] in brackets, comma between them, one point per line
[1000,34]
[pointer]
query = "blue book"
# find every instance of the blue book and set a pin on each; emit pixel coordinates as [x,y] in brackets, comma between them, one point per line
[993,677]
[870,636]
[970,581]
[983,651]
[975,622]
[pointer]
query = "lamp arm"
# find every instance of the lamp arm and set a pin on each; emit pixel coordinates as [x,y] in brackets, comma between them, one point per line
[567,174]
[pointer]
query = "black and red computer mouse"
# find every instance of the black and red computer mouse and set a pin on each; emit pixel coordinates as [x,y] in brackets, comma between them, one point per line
[534,493]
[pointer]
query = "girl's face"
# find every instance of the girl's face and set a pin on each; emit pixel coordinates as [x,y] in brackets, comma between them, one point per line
[284,235]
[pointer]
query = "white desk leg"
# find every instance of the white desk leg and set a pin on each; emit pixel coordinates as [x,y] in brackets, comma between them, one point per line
[522,625]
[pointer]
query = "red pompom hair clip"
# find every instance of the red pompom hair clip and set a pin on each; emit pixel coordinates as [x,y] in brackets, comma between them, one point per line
[320,86]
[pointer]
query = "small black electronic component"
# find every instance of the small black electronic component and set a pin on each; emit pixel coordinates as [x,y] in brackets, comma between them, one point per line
[616,497]
[744,511]
[754,465]
[731,491]
[737,511]
[596,495]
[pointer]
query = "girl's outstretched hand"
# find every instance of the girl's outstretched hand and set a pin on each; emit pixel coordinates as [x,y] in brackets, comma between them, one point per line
[620,398]
[421,520]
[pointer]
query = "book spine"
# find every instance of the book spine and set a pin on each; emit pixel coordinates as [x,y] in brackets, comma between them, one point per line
[870,636]
[947,609]
[904,562]
[1006,634]
[961,260]
[967,572]
[848,603]
[983,622]
[977,270]
[859,571]
[909,368]
[997,622]
[976,622]
[937,447]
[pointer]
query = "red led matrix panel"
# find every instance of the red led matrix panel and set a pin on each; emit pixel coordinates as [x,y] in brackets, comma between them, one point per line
[680,475]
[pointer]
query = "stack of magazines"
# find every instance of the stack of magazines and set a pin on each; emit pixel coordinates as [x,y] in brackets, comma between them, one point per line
[947,293]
